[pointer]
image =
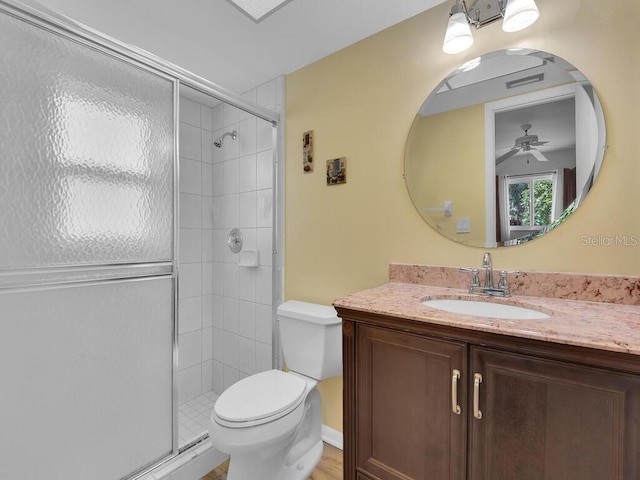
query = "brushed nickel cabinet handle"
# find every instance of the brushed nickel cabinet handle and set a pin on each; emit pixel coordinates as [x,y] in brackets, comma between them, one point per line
[455,408]
[477,380]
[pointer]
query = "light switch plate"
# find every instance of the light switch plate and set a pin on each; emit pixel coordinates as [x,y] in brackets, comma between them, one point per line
[463,225]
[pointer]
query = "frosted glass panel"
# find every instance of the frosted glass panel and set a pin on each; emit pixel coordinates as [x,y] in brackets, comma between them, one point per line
[86,143]
[86,380]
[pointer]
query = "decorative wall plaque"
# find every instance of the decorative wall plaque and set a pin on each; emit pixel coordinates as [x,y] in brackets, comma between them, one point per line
[337,171]
[307,151]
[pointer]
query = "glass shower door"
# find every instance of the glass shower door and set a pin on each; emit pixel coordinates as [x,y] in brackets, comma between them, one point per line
[87,258]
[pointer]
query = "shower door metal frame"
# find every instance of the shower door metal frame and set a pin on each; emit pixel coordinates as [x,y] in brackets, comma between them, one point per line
[55,23]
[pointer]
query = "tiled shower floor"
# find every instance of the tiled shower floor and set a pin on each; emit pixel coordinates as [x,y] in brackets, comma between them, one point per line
[193,417]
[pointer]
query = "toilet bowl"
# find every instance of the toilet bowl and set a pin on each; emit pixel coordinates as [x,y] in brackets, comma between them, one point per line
[270,423]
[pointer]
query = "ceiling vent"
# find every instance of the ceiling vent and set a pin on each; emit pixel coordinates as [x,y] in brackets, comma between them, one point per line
[519,82]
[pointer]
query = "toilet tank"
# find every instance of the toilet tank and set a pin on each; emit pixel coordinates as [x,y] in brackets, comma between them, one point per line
[311,336]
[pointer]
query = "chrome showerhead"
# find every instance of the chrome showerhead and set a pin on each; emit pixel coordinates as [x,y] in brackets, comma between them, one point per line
[218,143]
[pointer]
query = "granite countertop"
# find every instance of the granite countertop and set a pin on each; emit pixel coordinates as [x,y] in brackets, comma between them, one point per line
[605,326]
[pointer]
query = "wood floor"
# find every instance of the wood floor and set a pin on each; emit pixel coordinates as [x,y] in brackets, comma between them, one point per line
[329,468]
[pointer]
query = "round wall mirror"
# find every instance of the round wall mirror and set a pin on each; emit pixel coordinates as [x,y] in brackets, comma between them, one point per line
[505,148]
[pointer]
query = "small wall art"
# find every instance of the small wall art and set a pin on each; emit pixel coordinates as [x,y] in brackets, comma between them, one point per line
[337,171]
[307,151]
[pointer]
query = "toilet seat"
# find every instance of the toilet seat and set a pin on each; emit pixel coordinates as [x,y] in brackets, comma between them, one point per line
[258,399]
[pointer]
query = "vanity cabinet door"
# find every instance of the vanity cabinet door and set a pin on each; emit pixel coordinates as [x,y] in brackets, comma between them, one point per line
[405,425]
[548,420]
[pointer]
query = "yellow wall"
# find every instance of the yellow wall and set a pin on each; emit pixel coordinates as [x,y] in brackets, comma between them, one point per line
[361,102]
[441,167]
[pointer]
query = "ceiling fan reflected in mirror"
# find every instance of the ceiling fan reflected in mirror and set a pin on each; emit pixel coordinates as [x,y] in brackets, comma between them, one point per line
[525,143]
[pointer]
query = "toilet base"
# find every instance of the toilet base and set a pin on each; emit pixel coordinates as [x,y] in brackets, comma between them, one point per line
[292,458]
[272,468]
[303,468]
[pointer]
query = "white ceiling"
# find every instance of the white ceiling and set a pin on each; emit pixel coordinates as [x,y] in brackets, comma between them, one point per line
[216,41]
[485,81]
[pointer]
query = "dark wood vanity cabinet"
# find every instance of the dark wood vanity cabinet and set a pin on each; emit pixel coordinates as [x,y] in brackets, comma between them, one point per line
[450,404]
[550,420]
[404,429]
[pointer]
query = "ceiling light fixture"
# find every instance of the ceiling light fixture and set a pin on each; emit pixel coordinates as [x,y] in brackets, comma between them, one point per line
[516,14]
[258,10]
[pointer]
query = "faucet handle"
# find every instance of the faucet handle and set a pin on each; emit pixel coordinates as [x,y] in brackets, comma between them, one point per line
[475,279]
[502,283]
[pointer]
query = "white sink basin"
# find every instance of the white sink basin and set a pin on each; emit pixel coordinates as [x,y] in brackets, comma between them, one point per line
[485,309]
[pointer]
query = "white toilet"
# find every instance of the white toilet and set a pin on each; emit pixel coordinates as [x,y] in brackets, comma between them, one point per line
[270,423]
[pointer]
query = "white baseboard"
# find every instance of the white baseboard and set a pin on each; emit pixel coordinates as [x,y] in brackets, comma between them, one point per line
[332,437]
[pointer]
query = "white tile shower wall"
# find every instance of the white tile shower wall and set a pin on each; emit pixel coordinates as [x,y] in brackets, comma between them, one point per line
[225,310]
[195,304]
[243,197]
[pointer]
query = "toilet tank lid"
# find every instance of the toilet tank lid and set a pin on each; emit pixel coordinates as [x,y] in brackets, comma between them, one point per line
[310,312]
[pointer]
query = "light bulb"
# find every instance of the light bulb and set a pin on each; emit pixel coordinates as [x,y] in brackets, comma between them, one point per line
[458,37]
[519,14]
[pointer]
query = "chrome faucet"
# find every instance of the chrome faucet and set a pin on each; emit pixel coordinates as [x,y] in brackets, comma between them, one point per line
[489,288]
[488,270]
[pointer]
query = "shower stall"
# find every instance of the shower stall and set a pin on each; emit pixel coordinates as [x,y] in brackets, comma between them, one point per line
[124,310]
[226,293]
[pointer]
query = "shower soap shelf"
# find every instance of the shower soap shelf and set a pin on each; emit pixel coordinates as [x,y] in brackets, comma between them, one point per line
[248,258]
